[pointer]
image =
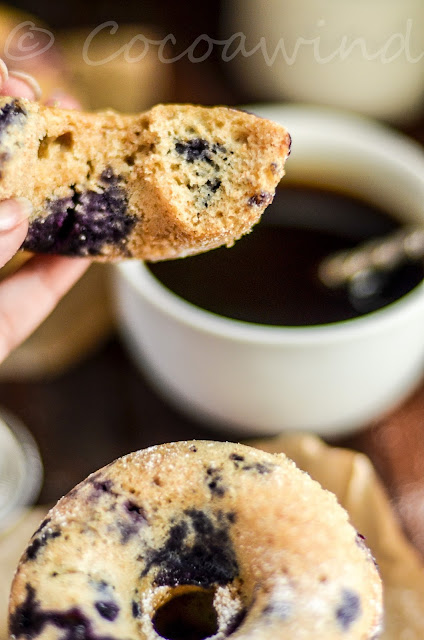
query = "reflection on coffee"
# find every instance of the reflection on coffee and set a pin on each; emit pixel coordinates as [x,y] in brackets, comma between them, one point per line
[270,276]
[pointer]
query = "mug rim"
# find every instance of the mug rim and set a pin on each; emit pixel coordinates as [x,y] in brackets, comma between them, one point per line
[356,129]
[174,306]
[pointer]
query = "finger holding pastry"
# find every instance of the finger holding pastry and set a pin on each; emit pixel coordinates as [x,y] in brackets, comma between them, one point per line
[29,294]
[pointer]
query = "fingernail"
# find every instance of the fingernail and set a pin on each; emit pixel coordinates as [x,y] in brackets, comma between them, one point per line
[13,212]
[4,74]
[29,80]
[59,98]
[55,98]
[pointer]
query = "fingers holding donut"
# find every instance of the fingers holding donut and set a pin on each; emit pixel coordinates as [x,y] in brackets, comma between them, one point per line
[18,84]
[14,214]
[30,292]
[21,84]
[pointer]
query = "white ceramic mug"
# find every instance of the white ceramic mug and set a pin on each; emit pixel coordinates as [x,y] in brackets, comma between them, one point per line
[256,379]
[365,55]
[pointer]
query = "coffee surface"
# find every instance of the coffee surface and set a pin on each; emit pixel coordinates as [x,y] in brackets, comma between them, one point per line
[270,276]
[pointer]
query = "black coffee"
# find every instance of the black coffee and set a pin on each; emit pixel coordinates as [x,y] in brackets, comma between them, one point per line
[270,276]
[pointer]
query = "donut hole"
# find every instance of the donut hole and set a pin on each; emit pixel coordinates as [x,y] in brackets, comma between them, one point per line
[189,615]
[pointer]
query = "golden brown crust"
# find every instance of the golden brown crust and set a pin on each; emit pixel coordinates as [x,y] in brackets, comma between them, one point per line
[175,180]
[274,549]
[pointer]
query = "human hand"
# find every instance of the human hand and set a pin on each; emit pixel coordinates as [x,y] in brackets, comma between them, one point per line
[28,295]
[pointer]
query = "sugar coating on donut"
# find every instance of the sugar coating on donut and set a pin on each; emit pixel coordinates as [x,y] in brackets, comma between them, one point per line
[195,540]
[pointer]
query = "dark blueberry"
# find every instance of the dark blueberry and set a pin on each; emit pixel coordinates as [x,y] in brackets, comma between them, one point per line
[260,199]
[193,448]
[100,585]
[137,518]
[136,512]
[232,517]
[260,467]
[235,622]
[84,223]
[289,143]
[216,489]
[198,149]
[213,185]
[205,559]
[108,177]
[136,609]
[108,610]
[42,526]
[73,493]
[10,113]
[349,610]
[217,147]
[281,610]
[41,541]
[101,485]
[236,457]
[214,480]
[127,530]
[29,620]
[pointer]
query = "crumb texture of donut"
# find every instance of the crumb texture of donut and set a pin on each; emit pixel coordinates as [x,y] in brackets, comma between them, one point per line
[172,181]
[196,540]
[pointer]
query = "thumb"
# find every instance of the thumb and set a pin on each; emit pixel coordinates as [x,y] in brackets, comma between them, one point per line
[13,226]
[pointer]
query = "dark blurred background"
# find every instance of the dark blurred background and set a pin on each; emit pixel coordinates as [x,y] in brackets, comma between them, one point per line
[190,18]
[205,82]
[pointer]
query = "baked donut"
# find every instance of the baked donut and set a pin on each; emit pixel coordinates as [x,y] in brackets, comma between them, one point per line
[169,182]
[196,540]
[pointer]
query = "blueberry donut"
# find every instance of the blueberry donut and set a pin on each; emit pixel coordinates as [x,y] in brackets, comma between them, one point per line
[195,540]
[169,182]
